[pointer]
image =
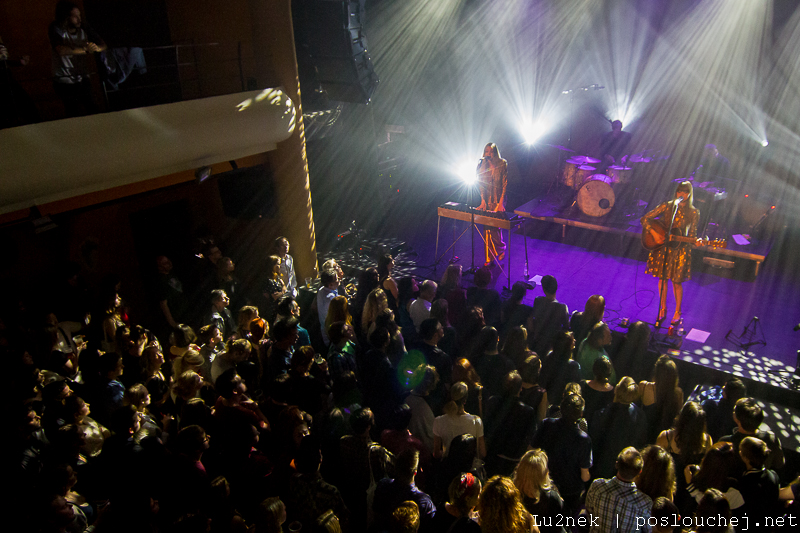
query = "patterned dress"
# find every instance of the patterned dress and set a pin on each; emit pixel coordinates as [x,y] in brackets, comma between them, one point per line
[679,259]
[492,183]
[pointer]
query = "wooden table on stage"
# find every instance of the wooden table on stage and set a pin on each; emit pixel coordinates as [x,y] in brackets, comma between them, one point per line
[465,213]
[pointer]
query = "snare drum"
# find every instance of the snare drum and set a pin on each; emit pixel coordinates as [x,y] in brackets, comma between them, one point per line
[574,175]
[596,196]
[619,174]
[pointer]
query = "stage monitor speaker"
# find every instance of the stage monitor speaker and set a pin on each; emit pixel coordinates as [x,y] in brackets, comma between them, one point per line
[248,193]
[338,49]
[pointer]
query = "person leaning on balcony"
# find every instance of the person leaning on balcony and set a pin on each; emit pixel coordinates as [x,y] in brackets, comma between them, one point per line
[69,37]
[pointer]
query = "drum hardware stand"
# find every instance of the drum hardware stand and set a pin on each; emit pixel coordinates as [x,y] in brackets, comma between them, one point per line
[745,340]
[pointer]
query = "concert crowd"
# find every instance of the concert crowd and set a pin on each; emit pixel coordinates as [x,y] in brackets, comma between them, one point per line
[368,404]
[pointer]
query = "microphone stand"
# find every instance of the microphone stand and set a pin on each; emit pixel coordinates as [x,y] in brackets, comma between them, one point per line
[745,340]
[662,293]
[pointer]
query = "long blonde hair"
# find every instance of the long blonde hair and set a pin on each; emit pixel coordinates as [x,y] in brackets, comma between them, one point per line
[532,475]
[500,507]
[375,303]
[338,312]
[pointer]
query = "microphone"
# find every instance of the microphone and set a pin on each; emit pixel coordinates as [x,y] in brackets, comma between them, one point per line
[678,200]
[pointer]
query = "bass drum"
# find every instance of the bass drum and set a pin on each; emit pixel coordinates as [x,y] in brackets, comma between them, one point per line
[596,197]
[574,175]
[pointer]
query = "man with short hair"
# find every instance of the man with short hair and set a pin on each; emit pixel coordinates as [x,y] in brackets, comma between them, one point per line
[719,413]
[548,318]
[619,425]
[390,493]
[288,307]
[309,494]
[220,314]
[284,336]
[569,449]
[420,308]
[327,292]
[748,416]
[281,249]
[615,504]
[70,37]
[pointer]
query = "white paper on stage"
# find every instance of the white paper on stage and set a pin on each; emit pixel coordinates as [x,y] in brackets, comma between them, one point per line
[697,335]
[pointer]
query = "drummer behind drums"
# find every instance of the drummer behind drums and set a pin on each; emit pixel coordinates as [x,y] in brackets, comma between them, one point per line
[613,144]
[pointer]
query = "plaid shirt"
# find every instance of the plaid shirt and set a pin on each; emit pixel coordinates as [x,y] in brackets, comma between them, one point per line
[614,505]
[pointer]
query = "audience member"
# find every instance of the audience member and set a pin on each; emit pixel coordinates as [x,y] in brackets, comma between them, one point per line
[421,308]
[274,289]
[597,392]
[385,280]
[539,495]
[510,426]
[616,503]
[490,364]
[310,495]
[515,346]
[514,312]
[661,398]
[582,322]
[450,291]
[482,296]
[390,493]
[457,513]
[72,40]
[720,412]
[501,510]
[758,485]
[713,514]
[718,471]
[569,449]
[618,426]
[532,393]
[593,347]
[657,478]
[549,316]
[456,421]
[558,367]
[342,352]
[220,316]
[280,248]
[749,416]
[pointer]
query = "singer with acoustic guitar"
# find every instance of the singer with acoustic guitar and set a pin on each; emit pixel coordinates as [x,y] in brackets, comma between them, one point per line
[671,259]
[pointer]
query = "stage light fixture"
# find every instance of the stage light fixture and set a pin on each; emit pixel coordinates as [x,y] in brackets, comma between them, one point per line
[532,132]
[765,143]
[466,170]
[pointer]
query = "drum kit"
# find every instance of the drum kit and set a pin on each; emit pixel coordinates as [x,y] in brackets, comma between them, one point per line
[594,184]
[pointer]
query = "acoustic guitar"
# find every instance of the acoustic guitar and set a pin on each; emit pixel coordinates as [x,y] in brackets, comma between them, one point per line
[654,243]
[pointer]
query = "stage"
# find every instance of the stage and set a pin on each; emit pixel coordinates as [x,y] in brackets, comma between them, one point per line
[589,257]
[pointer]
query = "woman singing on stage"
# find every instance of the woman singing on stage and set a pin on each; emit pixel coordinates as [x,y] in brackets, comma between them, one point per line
[492,182]
[672,261]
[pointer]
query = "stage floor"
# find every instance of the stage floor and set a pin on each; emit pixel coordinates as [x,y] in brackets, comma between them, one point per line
[712,304]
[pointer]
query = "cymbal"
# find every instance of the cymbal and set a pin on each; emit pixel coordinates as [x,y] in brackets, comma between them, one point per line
[639,158]
[617,167]
[559,147]
[587,167]
[678,180]
[582,159]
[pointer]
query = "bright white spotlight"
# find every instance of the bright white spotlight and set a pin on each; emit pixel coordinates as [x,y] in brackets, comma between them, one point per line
[532,132]
[765,143]
[466,171]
